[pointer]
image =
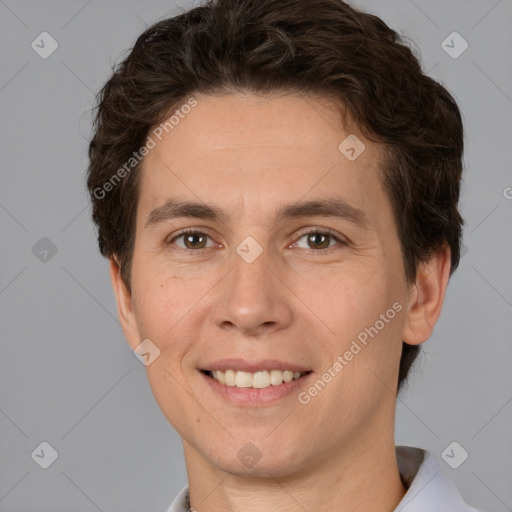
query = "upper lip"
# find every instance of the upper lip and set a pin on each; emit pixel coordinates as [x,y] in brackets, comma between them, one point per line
[254,366]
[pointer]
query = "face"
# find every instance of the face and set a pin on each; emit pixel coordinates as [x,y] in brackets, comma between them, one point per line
[292,269]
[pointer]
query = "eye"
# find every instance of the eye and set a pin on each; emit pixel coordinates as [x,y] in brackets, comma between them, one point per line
[319,240]
[192,239]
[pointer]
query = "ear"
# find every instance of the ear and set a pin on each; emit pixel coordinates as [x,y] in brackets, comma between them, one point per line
[124,305]
[426,297]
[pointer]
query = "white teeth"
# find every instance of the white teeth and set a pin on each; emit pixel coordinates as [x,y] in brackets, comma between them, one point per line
[243,380]
[230,377]
[276,377]
[287,376]
[221,377]
[259,380]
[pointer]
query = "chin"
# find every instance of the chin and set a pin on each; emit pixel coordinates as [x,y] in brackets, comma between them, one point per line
[257,459]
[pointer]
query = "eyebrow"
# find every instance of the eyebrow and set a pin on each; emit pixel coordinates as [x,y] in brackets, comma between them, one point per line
[331,207]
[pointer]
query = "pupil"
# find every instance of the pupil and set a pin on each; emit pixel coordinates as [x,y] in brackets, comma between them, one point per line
[190,238]
[314,237]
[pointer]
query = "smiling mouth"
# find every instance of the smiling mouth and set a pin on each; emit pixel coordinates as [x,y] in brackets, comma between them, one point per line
[257,380]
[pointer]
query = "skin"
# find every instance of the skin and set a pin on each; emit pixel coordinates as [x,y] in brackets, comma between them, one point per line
[248,155]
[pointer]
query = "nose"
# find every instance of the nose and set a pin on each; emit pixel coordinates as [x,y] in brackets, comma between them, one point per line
[253,299]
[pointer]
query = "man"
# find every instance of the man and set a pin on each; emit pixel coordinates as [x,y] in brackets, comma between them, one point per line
[276,184]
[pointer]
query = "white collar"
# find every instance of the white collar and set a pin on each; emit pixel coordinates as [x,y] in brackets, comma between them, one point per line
[428,488]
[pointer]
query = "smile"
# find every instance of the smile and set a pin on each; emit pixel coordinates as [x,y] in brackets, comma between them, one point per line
[259,380]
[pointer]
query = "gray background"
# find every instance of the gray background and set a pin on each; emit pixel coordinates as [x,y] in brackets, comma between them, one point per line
[68,377]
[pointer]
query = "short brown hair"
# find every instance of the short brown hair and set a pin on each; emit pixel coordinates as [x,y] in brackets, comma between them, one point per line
[323,47]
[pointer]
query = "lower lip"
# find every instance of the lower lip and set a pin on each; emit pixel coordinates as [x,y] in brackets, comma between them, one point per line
[254,397]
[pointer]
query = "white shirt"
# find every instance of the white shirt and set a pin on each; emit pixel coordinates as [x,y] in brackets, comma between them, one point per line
[428,488]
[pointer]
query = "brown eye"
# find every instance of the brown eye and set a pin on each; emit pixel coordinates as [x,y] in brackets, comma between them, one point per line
[194,240]
[191,240]
[318,240]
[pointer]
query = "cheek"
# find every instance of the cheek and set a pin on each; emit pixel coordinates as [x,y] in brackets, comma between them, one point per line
[161,307]
[160,297]
[361,310]
[165,316]
[348,299]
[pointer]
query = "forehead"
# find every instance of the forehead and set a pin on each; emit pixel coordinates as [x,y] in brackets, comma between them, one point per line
[250,152]
[305,125]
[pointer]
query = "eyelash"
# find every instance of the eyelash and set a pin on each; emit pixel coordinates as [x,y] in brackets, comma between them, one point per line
[315,230]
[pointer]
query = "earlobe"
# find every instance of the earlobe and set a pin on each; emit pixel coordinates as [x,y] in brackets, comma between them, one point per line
[124,305]
[425,300]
